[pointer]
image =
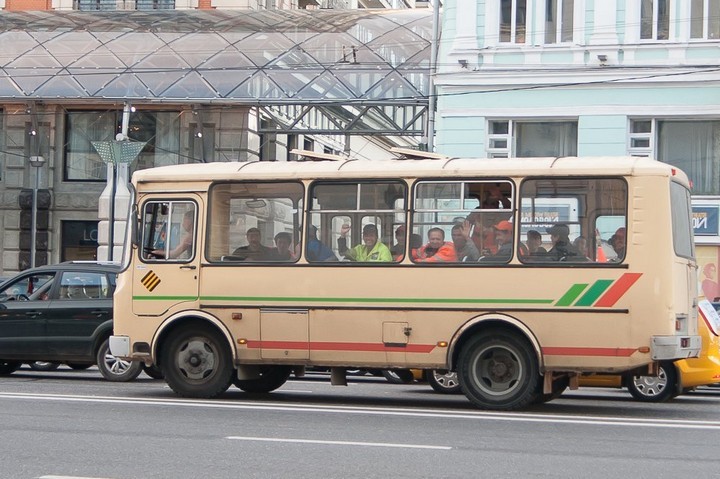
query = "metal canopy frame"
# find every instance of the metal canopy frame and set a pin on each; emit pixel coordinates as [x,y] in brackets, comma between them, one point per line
[362,72]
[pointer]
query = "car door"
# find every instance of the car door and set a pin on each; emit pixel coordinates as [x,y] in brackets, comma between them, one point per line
[23,310]
[80,310]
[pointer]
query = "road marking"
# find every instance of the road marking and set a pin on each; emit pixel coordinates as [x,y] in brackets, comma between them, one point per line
[70,477]
[380,411]
[340,443]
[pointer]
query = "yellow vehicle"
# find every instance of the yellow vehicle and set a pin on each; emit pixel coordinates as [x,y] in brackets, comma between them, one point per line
[241,273]
[673,378]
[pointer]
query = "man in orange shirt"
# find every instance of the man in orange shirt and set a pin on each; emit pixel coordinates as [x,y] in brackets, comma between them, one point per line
[437,250]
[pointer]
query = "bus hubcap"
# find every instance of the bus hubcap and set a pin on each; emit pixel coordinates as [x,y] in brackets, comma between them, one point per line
[196,359]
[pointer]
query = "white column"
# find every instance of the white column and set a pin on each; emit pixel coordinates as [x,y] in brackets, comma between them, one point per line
[465,44]
[605,23]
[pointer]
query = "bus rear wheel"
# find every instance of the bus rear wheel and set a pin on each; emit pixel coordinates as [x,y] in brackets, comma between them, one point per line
[271,378]
[197,362]
[498,370]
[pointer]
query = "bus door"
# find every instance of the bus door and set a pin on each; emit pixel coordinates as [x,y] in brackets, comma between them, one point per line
[167,273]
[284,333]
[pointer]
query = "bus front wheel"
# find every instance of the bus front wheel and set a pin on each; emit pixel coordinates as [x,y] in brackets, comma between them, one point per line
[498,370]
[197,363]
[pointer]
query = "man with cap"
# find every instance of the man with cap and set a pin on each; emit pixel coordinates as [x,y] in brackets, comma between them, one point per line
[562,248]
[369,250]
[398,249]
[503,238]
[254,250]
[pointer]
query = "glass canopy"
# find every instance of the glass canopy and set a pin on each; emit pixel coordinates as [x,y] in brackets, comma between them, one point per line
[270,57]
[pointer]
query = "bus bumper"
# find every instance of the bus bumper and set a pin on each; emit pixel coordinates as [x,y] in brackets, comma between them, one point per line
[675,347]
[120,346]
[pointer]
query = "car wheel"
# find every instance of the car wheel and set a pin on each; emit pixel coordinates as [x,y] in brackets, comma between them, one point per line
[398,376]
[153,371]
[658,388]
[197,362]
[271,378]
[78,366]
[443,381]
[8,367]
[498,370]
[43,366]
[115,369]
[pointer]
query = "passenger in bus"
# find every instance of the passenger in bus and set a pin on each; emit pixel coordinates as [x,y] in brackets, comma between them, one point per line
[316,249]
[618,243]
[398,249]
[254,250]
[465,249]
[534,242]
[369,250]
[562,249]
[186,241]
[282,250]
[437,250]
[504,238]
[494,199]
[580,244]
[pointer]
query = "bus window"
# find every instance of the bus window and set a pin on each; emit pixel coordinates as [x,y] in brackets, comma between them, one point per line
[356,219]
[251,222]
[574,220]
[457,221]
[169,231]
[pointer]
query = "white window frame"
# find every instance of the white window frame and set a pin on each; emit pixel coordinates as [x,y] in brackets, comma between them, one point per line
[513,22]
[655,19]
[641,150]
[510,137]
[705,21]
[559,26]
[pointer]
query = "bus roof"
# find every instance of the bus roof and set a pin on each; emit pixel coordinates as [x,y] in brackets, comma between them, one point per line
[409,168]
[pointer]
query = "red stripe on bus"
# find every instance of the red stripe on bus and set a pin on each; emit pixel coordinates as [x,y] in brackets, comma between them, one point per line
[618,289]
[322,346]
[613,352]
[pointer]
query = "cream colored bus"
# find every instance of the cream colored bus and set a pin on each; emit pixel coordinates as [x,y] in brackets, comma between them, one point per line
[244,273]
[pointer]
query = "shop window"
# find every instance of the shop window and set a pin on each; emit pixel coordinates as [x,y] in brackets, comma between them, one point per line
[79,240]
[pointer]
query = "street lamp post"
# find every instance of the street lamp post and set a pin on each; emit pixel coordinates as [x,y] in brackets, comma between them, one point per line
[36,162]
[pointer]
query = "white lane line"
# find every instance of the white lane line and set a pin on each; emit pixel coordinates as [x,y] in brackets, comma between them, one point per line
[380,411]
[340,443]
[70,477]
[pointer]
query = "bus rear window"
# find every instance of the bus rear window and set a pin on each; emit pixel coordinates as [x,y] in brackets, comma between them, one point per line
[681,227]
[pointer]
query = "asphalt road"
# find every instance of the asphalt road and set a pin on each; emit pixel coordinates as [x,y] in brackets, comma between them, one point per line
[73,424]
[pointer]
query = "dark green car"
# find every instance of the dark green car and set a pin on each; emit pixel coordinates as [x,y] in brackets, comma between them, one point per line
[61,314]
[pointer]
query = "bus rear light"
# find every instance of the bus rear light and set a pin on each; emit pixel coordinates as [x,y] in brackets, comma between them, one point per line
[678,325]
[684,342]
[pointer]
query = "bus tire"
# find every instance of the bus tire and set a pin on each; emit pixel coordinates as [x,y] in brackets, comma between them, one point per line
[498,370]
[658,388]
[197,362]
[271,378]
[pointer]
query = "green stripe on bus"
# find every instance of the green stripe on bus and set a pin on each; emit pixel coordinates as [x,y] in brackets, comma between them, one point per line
[594,292]
[346,300]
[571,294]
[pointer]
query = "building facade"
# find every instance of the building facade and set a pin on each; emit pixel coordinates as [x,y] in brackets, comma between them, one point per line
[589,78]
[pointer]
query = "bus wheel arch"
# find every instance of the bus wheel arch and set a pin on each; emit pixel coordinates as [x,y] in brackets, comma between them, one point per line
[195,358]
[498,365]
[182,320]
